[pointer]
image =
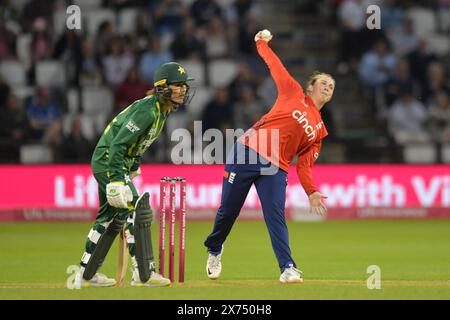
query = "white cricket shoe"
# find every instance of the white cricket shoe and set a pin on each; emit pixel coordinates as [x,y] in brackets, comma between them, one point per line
[156,280]
[214,265]
[291,275]
[98,280]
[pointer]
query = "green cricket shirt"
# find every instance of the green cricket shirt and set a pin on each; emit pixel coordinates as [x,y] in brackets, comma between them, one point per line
[120,148]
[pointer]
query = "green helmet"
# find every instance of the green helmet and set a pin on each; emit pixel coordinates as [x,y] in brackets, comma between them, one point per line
[170,72]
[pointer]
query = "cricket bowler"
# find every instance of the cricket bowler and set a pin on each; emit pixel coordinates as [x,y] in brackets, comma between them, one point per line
[295,118]
[115,162]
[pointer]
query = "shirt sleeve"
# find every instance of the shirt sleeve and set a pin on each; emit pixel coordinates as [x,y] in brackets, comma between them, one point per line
[134,127]
[286,84]
[304,167]
[136,163]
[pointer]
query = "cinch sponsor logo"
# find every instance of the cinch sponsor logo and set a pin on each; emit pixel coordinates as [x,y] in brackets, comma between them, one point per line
[303,121]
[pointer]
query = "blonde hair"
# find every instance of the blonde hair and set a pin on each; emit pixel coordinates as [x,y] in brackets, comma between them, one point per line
[313,78]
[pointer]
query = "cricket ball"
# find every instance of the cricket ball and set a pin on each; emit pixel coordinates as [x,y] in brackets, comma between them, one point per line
[266,33]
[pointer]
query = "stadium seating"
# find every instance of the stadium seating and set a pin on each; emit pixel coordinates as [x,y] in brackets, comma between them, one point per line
[221,72]
[59,22]
[445,153]
[35,153]
[23,49]
[50,74]
[419,153]
[196,70]
[97,106]
[13,73]
[444,19]
[439,44]
[126,20]
[91,4]
[200,99]
[424,20]
[96,17]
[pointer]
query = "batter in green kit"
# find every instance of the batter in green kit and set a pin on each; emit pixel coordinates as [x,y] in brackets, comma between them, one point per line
[115,162]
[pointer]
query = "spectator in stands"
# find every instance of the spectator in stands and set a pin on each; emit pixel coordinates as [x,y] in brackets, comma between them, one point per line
[204,10]
[90,73]
[248,109]
[34,10]
[68,46]
[392,16]
[241,9]
[117,63]
[406,119]
[442,9]
[245,34]
[13,131]
[243,21]
[169,16]
[352,19]
[419,60]
[7,42]
[103,38]
[217,42]
[377,65]
[4,93]
[245,78]
[218,112]
[153,58]
[44,118]
[10,13]
[187,43]
[41,46]
[68,50]
[132,89]
[401,78]
[120,4]
[439,117]
[405,40]
[436,81]
[144,26]
[75,147]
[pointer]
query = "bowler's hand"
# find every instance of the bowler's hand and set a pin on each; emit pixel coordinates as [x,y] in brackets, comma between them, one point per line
[263,35]
[317,205]
[118,194]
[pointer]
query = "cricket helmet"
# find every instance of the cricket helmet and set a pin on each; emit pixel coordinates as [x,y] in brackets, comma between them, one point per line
[170,72]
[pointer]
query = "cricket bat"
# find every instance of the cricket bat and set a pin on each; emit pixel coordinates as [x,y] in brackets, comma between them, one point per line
[122,260]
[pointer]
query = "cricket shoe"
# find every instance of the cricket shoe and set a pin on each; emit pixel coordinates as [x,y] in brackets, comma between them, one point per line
[214,265]
[98,280]
[291,275]
[156,280]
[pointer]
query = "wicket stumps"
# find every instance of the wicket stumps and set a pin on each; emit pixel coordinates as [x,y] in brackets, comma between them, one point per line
[172,219]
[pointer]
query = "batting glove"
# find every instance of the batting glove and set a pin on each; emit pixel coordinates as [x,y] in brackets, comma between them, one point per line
[134,174]
[263,35]
[118,194]
[317,205]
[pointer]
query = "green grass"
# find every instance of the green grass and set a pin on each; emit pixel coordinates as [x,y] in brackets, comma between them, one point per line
[414,257]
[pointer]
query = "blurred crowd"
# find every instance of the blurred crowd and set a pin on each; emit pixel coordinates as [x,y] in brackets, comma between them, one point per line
[108,64]
[404,66]
[60,87]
